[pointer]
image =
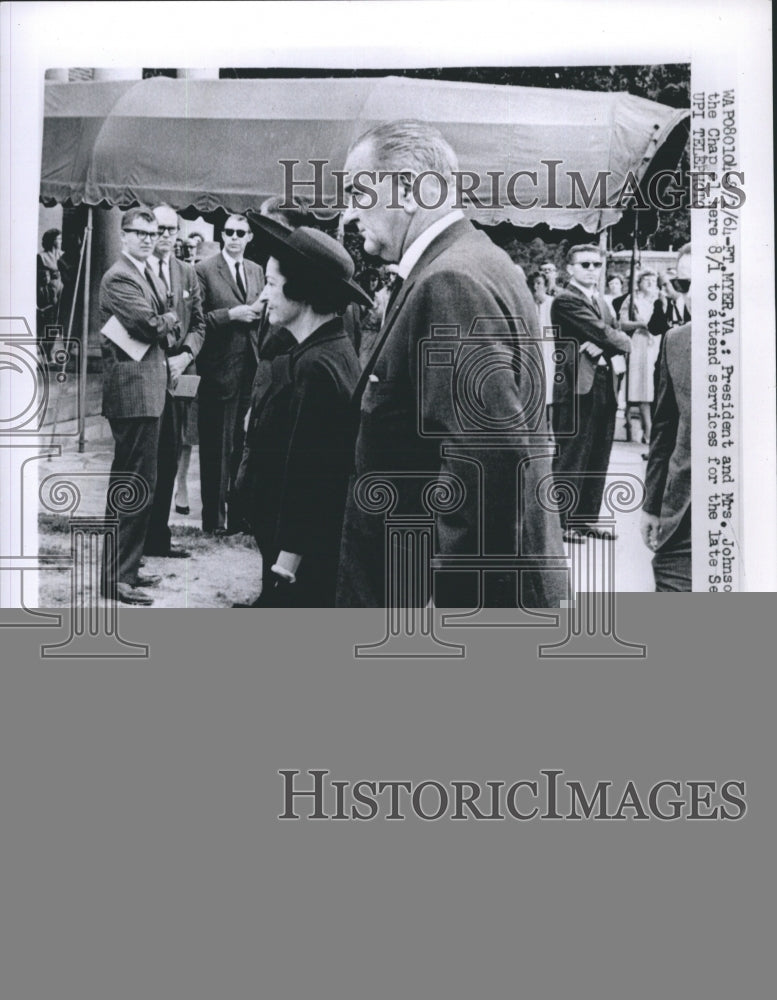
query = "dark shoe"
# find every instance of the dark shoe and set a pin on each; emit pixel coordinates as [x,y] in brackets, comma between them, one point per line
[127,594]
[218,532]
[147,581]
[182,510]
[573,535]
[237,529]
[596,531]
[171,554]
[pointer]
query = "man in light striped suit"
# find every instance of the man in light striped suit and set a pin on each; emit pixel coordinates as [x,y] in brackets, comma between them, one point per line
[134,393]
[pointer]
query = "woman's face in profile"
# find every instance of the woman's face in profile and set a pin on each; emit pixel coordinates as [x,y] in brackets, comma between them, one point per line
[280,310]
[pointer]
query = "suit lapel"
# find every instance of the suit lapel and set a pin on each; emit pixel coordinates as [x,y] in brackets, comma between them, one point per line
[252,283]
[229,276]
[445,239]
[160,292]
[149,288]
[176,280]
[391,318]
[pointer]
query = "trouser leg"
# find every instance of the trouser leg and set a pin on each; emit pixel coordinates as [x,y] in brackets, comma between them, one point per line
[158,535]
[217,431]
[135,454]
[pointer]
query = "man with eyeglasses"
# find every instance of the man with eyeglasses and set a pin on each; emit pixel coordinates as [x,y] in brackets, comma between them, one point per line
[230,287]
[666,512]
[586,389]
[548,271]
[134,392]
[182,291]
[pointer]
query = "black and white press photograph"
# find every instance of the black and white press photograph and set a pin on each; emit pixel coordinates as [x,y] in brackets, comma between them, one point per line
[283,310]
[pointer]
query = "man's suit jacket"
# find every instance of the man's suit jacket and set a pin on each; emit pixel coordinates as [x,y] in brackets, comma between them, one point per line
[229,348]
[668,475]
[577,319]
[135,388]
[187,304]
[411,419]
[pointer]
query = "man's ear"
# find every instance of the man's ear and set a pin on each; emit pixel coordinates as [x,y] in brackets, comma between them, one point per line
[250,237]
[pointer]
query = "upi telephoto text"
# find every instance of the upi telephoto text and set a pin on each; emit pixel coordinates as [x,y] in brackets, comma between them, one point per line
[667,190]
[546,797]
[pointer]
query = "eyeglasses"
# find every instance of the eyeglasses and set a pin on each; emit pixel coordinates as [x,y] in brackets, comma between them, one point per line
[235,232]
[681,285]
[142,234]
[596,264]
[167,229]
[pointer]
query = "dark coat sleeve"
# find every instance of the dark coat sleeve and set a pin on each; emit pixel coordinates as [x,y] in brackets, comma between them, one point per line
[579,320]
[662,440]
[215,318]
[658,324]
[195,335]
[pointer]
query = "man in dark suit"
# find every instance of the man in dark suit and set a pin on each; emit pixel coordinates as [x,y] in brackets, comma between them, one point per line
[585,404]
[410,414]
[230,287]
[134,393]
[666,512]
[182,291]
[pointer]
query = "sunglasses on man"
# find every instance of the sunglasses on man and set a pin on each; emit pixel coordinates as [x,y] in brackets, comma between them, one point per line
[681,285]
[236,232]
[596,264]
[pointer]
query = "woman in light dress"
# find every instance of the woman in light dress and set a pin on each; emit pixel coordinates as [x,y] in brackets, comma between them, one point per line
[538,286]
[644,348]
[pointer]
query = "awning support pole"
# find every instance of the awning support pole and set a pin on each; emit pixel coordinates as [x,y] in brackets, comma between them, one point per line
[85,336]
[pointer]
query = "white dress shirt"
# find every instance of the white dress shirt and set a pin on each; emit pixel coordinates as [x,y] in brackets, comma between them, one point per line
[412,255]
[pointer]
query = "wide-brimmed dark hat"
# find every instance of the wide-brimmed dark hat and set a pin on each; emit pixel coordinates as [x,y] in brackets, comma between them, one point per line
[310,248]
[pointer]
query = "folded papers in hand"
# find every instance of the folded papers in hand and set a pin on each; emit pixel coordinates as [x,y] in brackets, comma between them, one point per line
[186,386]
[116,332]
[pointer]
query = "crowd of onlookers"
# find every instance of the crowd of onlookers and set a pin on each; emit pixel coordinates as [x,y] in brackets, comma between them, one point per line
[655,308]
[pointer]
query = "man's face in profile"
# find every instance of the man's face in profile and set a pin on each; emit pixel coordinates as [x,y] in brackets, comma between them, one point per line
[382,228]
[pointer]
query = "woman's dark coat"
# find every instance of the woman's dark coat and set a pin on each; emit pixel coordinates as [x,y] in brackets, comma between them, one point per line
[298,454]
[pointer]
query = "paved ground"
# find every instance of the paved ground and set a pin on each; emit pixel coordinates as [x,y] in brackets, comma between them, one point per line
[226,571]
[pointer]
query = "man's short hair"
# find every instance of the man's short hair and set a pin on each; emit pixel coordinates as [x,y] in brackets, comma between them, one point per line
[583,248]
[409,145]
[239,217]
[685,249]
[163,204]
[131,216]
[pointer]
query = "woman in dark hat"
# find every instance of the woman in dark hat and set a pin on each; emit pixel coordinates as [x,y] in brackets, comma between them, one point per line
[299,439]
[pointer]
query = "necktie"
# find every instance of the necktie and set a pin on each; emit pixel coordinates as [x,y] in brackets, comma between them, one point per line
[163,276]
[151,279]
[238,278]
